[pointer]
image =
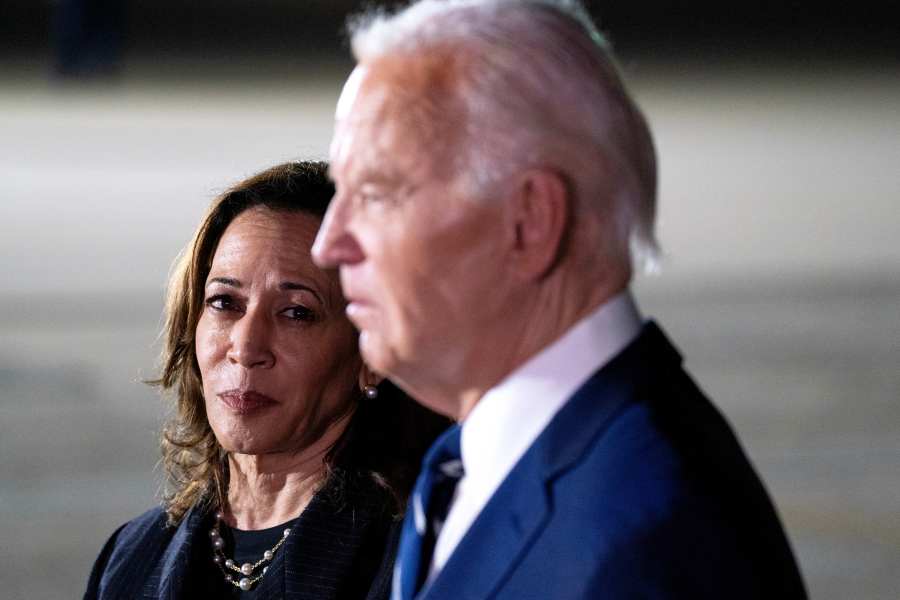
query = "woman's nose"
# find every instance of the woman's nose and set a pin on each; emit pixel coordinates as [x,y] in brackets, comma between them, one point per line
[251,341]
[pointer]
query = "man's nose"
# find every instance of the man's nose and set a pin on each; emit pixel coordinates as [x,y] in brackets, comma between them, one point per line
[335,245]
[251,341]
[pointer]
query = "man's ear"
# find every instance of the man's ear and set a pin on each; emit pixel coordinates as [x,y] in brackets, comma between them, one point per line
[368,377]
[540,214]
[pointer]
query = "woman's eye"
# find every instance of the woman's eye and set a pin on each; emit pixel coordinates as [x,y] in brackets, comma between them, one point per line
[221,302]
[299,313]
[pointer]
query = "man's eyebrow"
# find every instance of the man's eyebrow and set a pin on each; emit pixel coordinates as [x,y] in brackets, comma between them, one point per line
[226,281]
[383,175]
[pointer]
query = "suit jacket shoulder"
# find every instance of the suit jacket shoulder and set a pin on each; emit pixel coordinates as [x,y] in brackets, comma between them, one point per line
[636,489]
[129,553]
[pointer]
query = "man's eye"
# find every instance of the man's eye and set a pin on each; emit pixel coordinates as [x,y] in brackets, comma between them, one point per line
[370,198]
[299,313]
[371,193]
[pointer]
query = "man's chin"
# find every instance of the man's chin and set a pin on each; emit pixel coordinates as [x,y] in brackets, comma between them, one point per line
[376,353]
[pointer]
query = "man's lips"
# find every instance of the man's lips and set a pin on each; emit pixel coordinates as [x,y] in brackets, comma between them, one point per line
[357,309]
[245,401]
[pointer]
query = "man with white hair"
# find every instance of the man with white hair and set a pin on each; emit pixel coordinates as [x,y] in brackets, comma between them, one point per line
[495,185]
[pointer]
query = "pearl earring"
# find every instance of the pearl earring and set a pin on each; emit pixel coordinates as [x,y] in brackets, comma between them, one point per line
[370,392]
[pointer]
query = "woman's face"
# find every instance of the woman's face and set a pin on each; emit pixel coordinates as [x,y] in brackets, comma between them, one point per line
[277,355]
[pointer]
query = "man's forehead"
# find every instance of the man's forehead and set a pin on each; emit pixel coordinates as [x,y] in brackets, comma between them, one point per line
[350,92]
[397,80]
[371,137]
[362,145]
[376,155]
[391,114]
[349,117]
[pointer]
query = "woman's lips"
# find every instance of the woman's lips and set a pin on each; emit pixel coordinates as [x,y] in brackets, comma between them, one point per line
[245,402]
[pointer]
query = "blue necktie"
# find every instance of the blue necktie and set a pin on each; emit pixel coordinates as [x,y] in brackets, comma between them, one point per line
[441,470]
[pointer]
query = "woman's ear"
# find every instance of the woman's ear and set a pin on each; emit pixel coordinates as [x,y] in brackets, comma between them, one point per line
[368,379]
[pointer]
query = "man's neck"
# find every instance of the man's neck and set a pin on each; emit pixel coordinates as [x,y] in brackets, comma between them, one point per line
[545,316]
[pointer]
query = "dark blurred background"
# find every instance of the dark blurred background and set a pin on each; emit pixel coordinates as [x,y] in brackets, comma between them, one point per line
[778,129]
[218,29]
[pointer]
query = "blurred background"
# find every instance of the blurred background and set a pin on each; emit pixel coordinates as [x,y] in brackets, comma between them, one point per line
[778,127]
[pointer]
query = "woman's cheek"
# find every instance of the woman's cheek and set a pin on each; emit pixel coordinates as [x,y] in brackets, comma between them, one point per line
[209,343]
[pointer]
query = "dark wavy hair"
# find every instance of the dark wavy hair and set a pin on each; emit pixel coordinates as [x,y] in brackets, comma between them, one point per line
[385,438]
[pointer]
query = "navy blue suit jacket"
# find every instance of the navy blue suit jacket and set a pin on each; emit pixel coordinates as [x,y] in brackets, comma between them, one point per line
[636,489]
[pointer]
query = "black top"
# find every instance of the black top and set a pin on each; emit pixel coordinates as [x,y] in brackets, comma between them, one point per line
[243,547]
[341,548]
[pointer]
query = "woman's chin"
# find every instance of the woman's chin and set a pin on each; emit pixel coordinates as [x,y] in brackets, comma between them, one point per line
[245,445]
[246,435]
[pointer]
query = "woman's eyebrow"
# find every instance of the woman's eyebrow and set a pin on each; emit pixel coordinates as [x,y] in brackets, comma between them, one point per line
[283,286]
[226,281]
[291,285]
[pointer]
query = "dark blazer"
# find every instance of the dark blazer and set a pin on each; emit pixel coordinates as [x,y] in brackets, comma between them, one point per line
[335,552]
[636,489]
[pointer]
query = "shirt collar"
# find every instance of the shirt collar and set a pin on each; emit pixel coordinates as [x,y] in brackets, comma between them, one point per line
[511,415]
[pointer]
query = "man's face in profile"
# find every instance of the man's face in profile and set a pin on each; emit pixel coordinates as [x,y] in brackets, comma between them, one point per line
[418,258]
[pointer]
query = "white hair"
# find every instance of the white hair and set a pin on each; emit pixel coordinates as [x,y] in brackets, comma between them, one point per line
[539,87]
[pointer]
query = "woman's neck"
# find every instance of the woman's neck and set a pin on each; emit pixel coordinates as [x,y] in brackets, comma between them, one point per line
[265,490]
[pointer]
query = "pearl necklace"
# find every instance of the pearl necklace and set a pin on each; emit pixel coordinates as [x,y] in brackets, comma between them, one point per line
[247,569]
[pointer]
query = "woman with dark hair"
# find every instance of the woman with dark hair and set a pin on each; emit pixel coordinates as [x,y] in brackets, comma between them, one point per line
[287,460]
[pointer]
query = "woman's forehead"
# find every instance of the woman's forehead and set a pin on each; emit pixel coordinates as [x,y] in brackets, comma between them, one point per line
[274,244]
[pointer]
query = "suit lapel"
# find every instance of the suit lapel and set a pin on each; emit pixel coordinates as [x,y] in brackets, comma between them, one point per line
[520,508]
[324,555]
[494,543]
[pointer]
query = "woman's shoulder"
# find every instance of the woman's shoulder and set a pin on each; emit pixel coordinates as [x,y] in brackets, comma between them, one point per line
[151,525]
[153,518]
[135,538]
[362,493]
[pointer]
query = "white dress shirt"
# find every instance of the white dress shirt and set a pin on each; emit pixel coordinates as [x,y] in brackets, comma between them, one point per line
[511,415]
